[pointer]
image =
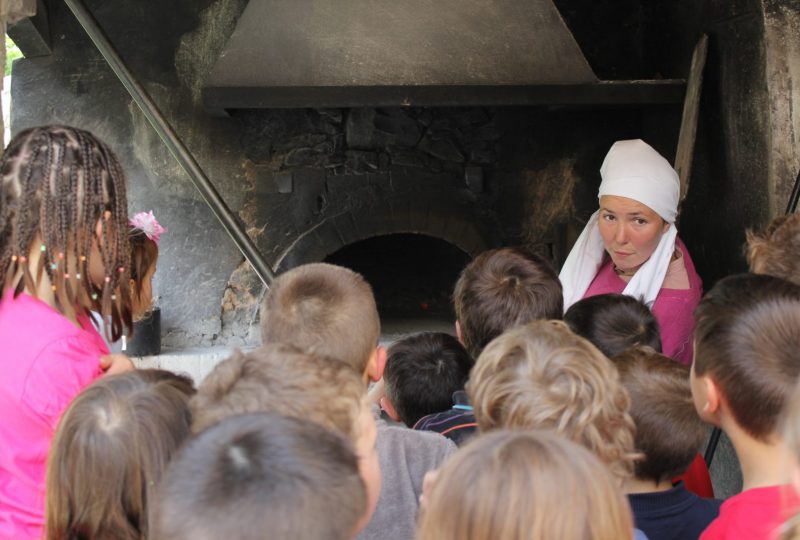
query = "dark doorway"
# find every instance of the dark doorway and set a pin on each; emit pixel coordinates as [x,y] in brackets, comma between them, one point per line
[412,276]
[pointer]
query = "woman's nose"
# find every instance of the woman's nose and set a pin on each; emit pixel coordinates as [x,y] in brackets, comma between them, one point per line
[620,235]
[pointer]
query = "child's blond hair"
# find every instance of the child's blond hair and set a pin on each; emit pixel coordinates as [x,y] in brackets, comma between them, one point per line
[323,308]
[774,250]
[530,485]
[542,376]
[280,379]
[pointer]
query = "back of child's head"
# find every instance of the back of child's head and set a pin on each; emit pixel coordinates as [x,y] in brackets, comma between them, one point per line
[58,184]
[522,485]
[774,251]
[501,289]
[747,341]
[791,437]
[261,476]
[542,376]
[280,379]
[668,431]
[325,309]
[111,447]
[422,372]
[144,234]
[614,322]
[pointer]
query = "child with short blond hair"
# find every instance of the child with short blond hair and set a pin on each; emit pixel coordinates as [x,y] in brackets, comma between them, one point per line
[746,367]
[774,250]
[542,376]
[280,379]
[330,310]
[327,309]
[525,485]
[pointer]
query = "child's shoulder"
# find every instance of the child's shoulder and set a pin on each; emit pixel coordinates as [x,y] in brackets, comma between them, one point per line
[753,514]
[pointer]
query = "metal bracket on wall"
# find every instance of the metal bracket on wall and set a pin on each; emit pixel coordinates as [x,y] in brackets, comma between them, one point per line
[173,143]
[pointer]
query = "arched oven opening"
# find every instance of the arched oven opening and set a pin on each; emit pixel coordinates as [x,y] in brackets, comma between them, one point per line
[412,277]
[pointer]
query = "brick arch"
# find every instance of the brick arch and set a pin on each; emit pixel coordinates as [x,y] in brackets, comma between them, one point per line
[456,226]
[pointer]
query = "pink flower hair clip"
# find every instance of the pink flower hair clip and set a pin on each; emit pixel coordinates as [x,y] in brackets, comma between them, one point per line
[147,223]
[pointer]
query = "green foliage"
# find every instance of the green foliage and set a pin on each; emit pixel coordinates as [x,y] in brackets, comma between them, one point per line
[12,53]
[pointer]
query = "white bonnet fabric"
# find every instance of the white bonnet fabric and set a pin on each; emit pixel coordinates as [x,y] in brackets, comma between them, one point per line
[634,170]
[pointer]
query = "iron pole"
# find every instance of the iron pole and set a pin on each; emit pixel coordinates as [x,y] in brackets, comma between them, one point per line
[172,142]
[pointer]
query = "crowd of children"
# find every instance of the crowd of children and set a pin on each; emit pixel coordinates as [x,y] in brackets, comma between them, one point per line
[521,426]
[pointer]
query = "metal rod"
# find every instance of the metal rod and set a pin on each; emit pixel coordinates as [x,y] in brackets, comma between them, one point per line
[791,208]
[711,449]
[173,142]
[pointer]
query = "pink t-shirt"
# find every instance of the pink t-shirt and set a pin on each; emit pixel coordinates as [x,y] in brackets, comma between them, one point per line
[755,514]
[46,361]
[673,308]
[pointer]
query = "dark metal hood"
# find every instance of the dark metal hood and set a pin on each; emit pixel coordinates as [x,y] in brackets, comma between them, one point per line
[349,53]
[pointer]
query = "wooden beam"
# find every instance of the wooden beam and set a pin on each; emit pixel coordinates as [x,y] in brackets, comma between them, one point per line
[691,111]
[600,93]
[32,34]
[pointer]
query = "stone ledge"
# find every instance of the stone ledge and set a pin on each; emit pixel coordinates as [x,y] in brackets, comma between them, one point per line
[196,362]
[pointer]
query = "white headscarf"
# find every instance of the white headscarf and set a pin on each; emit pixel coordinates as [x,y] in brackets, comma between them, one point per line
[632,169]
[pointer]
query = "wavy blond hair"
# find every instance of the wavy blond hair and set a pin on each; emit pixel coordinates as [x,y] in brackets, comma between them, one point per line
[280,379]
[525,486]
[773,251]
[542,376]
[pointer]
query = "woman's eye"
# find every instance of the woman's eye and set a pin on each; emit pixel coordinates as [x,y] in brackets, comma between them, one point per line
[608,217]
[640,221]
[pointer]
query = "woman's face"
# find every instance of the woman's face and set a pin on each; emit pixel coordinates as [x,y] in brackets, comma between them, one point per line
[630,230]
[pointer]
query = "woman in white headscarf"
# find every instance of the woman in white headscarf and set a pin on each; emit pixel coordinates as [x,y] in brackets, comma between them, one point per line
[630,245]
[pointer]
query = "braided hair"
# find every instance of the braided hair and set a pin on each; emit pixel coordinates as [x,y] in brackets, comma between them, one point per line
[57,182]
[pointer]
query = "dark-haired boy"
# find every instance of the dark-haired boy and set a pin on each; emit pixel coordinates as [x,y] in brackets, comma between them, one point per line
[499,290]
[668,434]
[423,372]
[745,368]
[261,476]
[614,323]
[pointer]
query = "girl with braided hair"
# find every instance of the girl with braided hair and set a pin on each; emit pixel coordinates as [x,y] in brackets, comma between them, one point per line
[64,252]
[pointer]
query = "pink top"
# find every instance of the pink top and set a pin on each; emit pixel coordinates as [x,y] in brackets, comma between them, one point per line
[673,308]
[754,514]
[46,361]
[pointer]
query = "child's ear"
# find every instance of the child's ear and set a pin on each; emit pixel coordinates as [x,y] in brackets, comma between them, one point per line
[458,332]
[389,409]
[376,364]
[711,405]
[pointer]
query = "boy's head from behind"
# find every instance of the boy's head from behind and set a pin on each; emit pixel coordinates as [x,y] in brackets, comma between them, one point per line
[111,447]
[422,372]
[501,289]
[325,309]
[668,430]
[279,379]
[257,475]
[525,485]
[614,322]
[746,361]
[774,250]
[542,376]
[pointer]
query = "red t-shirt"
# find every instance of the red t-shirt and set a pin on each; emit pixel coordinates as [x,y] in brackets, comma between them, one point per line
[755,514]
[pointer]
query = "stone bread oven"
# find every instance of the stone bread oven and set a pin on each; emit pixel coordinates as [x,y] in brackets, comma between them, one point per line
[431,132]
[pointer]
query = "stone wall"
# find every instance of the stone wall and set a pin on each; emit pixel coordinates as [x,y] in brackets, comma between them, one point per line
[306,183]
